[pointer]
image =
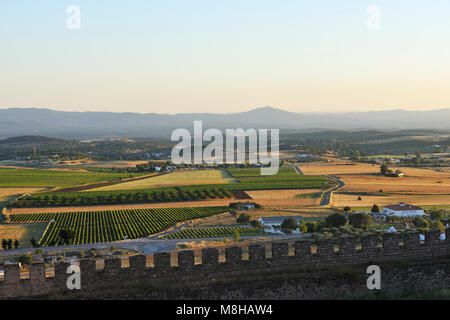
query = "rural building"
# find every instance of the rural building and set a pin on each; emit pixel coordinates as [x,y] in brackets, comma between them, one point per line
[277,221]
[243,205]
[402,210]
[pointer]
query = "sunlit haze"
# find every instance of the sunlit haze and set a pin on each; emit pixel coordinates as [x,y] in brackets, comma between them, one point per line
[225,56]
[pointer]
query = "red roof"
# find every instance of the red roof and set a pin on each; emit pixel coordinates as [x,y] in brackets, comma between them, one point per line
[402,207]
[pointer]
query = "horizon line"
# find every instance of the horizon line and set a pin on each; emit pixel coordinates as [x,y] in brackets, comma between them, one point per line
[228,113]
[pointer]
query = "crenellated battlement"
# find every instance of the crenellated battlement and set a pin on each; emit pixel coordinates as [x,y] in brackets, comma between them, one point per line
[208,262]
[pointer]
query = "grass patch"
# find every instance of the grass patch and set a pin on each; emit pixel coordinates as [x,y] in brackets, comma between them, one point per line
[22,232]
[308,195]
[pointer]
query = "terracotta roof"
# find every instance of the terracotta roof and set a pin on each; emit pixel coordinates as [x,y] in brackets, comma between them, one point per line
[402,207]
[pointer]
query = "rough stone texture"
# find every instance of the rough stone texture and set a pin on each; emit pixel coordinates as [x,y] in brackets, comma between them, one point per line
[279,249]
[256,252]
[233,255]
[210,256]
[303,276]
[186,259]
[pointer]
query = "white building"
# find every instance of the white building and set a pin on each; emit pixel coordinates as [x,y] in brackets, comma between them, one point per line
[277,221]
[403,210]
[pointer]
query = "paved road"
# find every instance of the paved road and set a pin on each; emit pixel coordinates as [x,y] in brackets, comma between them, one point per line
[297,168]
[326,196]
[146,245]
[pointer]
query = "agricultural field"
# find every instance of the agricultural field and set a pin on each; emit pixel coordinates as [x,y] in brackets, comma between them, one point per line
[14,177]
[107,226]
[248,179]
[7,193]
[220,232]
[177,178]
[23,232]
[341,200]
[57,199]
[286,178]
[361,177]
[281,194]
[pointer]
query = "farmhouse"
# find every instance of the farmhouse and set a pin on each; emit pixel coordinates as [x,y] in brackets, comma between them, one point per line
[402,210]
[277,221]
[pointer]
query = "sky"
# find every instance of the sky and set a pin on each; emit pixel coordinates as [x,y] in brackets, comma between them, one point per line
[178,56]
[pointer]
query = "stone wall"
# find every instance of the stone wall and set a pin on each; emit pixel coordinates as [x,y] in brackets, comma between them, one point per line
[301,269]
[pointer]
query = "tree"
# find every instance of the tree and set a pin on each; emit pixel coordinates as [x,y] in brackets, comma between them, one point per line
[336,220]
[310,227]
[4,244]
[421,222]
[25,259]
[347,209]
[375,209]
[437,225]
[289,223]
[303,228]
[256,224]
[243,219]
[33,242]
[236,236]
[16,244]
[360,220]
[436,215]
[10,243]
[384,169]
[67,235]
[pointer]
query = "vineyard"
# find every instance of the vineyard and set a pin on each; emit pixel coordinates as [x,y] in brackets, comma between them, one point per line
[215,232]
[107,226]
[58,199]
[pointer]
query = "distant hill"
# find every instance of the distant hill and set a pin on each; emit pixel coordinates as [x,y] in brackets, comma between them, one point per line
[45,122]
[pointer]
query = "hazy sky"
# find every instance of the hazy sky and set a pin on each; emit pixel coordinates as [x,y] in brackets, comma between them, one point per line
[171,56]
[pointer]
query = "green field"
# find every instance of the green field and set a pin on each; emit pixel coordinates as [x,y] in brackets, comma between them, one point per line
[11,177]
[200,233]
[107,226]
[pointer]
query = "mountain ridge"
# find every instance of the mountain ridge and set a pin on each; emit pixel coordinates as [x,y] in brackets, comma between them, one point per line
[100,124]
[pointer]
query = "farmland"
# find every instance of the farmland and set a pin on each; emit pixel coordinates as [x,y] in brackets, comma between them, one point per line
[248,179]
[121,197]
[23,232]
[107,226]
[178,178]
[14,177]
[341,200]
[200,233]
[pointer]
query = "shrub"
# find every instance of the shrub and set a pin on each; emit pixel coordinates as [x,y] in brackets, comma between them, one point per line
[375,209]
[243,218]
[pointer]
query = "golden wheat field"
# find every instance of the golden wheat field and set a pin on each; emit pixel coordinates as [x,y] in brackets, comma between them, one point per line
[178,178]
[341,200]
[363,177]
